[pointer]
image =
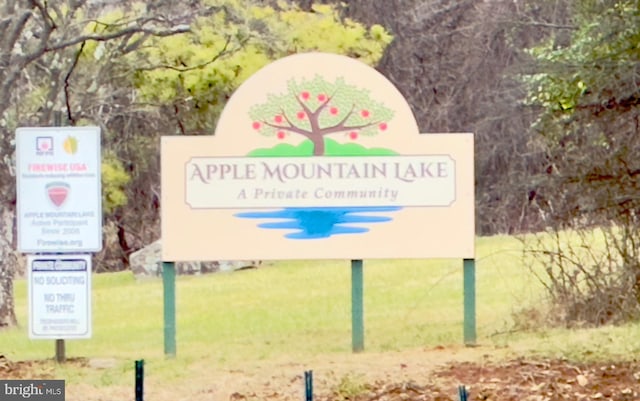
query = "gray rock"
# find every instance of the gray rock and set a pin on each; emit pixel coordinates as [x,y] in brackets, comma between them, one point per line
[146,262]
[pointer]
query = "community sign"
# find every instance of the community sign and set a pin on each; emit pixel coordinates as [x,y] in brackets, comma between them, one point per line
[317,156]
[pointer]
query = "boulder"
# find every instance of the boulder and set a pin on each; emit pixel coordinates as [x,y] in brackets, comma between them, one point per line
[146,262]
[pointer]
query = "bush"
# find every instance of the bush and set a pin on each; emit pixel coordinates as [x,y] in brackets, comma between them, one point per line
[592,275]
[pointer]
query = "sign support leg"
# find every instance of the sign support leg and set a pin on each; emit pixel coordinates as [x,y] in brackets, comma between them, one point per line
[357,308]
[60,345]
[169,286]
[469,267]
[60,351]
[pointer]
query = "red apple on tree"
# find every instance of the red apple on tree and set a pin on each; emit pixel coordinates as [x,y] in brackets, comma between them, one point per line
[365,113]
[353,135]
[305,95]
[333,110]
[280,135]
[301,115]
[278,119]
[256,125]
[382,126]
[322,97]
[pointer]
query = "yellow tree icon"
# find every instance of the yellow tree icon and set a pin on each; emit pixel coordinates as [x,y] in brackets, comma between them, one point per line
[70,145]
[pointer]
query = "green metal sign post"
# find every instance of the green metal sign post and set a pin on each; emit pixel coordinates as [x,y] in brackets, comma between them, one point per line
[169,285]
[469,284]
[357,306]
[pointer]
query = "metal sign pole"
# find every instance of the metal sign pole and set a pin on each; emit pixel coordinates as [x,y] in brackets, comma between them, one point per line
[169,285]
[60,344]
[60,351]
[357,308]
[469,280]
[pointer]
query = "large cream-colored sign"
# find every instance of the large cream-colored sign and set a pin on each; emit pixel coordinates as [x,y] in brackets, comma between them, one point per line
[317,156]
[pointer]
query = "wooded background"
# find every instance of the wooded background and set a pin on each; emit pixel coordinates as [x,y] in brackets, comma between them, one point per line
[550,88]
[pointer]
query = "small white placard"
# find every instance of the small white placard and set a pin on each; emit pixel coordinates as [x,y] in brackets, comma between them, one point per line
[59,296]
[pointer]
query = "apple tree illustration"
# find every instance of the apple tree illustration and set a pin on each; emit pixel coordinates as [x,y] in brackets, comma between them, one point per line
[316,108]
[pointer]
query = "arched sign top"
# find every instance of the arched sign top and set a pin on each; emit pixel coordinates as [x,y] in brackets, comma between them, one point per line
[313,97]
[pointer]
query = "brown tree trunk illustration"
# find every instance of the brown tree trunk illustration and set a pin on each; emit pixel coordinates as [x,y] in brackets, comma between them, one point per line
[318,144]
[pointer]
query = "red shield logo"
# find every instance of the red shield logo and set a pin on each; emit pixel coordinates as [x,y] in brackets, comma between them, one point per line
[57,193]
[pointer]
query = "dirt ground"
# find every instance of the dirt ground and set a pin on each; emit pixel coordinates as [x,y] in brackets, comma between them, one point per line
[423,374]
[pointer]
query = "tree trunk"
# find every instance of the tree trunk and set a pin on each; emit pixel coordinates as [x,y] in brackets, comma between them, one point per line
[125,249]
[318,145]
[7,307]
[7,269]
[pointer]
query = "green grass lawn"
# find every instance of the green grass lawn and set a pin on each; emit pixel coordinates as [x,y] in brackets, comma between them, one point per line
[298,309]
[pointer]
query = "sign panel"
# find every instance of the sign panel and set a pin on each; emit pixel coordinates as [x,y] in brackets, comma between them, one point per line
[317,156]
[234,182]
[59,201]
[59,296]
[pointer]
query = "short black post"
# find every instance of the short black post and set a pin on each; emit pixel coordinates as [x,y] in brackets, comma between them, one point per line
[463,394]
[308,385]
[139,379]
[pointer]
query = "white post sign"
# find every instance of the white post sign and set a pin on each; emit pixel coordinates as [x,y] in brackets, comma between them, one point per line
[59,296]
[59,201]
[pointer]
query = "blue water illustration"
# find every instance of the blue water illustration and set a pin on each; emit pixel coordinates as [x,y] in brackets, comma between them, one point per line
[321,222]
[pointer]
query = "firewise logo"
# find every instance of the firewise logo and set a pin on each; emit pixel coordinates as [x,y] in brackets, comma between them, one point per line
[34,390]
[44,145]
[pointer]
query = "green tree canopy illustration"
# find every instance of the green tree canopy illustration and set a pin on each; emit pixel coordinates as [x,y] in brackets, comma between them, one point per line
[316,108]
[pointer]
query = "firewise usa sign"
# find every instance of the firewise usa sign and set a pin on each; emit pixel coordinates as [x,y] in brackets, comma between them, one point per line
[58,189]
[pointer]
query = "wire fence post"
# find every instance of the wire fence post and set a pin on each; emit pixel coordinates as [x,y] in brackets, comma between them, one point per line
[463,394]
[308,385]
[139,380]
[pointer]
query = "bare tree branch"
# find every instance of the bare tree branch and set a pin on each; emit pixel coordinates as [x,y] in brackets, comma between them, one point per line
[16,29]
[44,13]
[67,96]
[107,37]
[14,63]
[193,67]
